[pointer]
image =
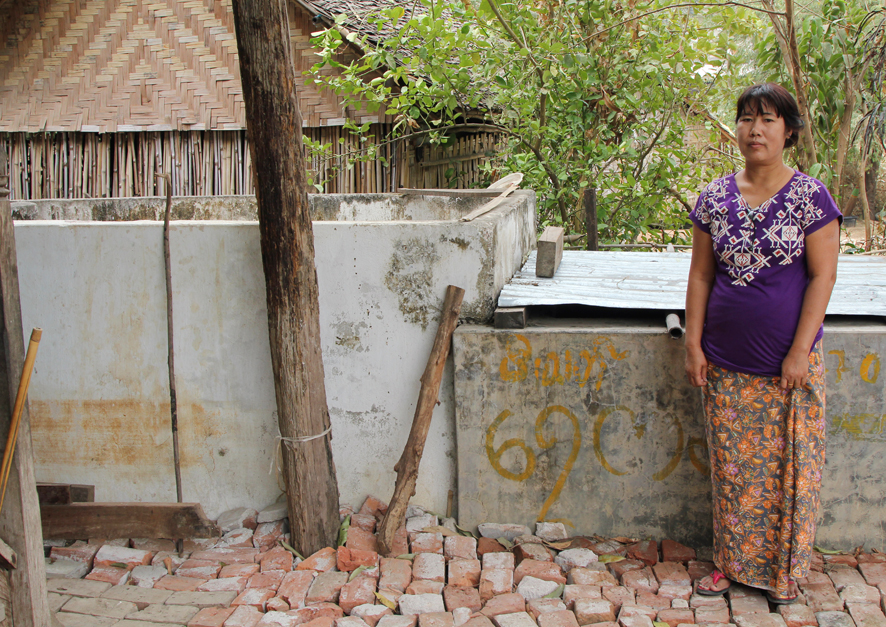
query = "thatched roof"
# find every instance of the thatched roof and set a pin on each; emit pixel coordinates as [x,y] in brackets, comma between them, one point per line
[143,65]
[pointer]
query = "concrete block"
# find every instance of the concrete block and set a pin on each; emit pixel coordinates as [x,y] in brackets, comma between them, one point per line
[108,608]
[142,597]
[502,530]
[237,518]
[77,587]
[201,599]
[575,558]
[551,531]
[178,614]
[67,619]
[410,604]
[273,512]
[533,588]
[517,619]
[67,569]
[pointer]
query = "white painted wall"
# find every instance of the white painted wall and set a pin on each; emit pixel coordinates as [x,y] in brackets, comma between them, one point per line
[99,394]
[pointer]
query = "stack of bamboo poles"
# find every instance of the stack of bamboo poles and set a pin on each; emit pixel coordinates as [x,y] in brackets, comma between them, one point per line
[210,163]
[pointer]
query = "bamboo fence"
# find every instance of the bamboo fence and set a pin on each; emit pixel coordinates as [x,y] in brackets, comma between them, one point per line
[210,163]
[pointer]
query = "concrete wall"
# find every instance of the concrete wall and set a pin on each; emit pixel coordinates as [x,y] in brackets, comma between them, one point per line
[99,394]
[592,423]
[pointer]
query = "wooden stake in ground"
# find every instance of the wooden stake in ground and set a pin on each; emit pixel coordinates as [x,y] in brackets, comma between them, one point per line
[274,128]
[407,467]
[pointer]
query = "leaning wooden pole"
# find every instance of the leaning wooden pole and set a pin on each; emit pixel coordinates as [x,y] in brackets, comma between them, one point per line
[274,128]
[20,518]
[407,467]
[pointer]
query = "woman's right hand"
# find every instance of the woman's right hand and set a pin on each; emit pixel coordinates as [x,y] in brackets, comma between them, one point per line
[696,366]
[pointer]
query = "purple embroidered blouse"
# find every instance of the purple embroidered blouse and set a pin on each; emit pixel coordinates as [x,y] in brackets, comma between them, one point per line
[761,275]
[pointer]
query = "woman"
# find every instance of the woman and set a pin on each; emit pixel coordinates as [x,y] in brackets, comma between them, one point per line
[764,262]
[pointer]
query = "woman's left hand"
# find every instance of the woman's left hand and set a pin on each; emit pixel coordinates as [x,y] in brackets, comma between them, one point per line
[794,370]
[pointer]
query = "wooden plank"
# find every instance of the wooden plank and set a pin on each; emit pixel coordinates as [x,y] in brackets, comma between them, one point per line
[20,517]
[550,251]
[478,193]
[590,207]
[54,494]
[8,558]
[126,520]
[511,318]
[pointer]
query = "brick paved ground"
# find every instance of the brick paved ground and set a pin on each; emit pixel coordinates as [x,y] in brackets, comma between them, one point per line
[440,579]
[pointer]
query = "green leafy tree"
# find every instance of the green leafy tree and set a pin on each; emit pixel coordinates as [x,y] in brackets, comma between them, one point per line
[585,93]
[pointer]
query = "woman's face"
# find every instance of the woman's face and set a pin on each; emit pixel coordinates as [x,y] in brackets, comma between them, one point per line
[761,135]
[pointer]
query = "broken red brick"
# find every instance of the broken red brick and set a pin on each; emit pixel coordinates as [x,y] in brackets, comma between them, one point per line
[109,574]
[268,580]
[199,569]
[361,540]
[464,573]
[672,573]
[267,534]
[675,552]
[277,558]
[294,587]
[548,571]
[254,597]
[488,545]
[674,617]
[366,522]
[351,559]
[645,551]
[360,591]
[323,560]
[560,618]
[396,574]
[532,551]
[455,597]
[326,587]
[504,604]
[641,580]
[427,543]
[211,617]
[374,507]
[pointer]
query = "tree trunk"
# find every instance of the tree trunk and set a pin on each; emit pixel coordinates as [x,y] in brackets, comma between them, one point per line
[274,126]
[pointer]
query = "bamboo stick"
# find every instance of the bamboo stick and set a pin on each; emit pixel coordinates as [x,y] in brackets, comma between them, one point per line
[17,409]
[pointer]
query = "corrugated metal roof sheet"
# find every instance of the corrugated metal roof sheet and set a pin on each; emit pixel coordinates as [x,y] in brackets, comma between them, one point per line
[630,280]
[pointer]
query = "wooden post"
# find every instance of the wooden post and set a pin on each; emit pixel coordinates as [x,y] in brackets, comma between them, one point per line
[407,467]
[20,518]
[550,251]
[590,204]
[287,244]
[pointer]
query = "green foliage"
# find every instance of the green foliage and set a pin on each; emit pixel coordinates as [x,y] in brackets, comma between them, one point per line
[583,94]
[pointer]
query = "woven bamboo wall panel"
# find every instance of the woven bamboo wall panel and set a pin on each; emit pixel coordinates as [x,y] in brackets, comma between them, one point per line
[137,65]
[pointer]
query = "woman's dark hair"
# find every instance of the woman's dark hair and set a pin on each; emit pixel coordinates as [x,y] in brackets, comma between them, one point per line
[753,99]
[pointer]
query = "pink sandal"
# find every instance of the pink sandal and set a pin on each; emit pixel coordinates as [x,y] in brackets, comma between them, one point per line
[716,576]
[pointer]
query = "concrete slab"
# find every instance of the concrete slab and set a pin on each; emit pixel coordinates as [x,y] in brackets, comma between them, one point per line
[68,619]
[77,587]
[569,412]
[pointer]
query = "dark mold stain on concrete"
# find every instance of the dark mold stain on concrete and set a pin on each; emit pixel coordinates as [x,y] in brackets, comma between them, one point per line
[409,276]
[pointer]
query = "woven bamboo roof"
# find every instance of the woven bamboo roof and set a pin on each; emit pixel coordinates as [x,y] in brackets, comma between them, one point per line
[139,65]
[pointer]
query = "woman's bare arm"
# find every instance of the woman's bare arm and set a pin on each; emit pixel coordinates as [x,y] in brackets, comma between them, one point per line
[822,249]
[701,280]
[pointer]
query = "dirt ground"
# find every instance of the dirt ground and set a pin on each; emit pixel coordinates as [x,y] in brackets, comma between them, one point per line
[853,237]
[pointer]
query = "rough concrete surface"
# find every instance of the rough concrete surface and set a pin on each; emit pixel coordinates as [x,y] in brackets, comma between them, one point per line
[99,394]
[593,423]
